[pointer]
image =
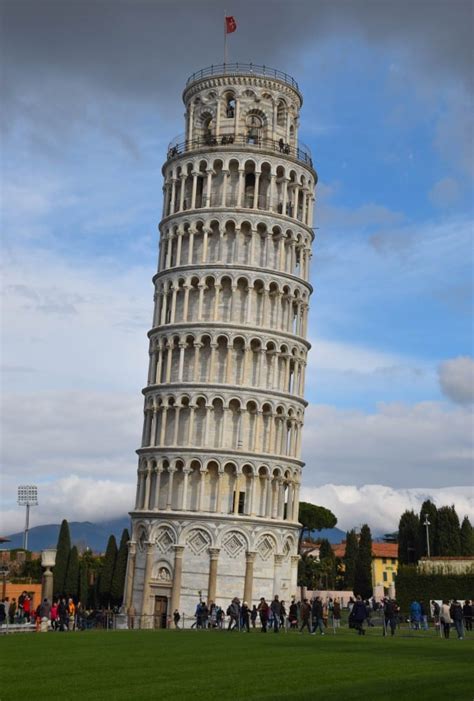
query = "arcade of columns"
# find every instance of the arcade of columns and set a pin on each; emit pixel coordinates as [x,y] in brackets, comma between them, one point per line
[219,470]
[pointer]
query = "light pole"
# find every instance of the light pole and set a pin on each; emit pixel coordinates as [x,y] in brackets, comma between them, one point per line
[427,525]
[27,496]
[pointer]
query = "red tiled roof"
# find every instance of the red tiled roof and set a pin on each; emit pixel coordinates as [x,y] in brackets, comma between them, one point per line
[378,549]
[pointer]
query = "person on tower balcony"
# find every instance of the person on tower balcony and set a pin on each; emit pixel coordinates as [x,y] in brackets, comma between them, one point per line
[281,145]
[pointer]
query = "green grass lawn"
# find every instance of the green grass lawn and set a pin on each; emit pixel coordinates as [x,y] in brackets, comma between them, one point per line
[207,665]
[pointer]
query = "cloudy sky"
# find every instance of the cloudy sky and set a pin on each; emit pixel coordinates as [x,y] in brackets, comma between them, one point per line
[91,95]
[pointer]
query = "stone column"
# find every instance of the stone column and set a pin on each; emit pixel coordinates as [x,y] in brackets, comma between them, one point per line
[169,498]
[150,551]
[191,245]
[177,576]
[210,173]
[256,189]
[182,348]
[225,174]
[158,470]
[211,589]
[128,593]
[181,191]
[240,190]
[186,472]
[248,583]
[277,574]
[194,190]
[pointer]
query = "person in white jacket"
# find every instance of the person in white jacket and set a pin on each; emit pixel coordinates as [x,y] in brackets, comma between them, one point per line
[445,618]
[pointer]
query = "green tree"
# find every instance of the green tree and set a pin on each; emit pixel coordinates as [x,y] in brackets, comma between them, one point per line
[118,579]
[309,572]
[448,532]
[107,572]
[328,564]
[71,585]
[467,537]
[312,518]
[63,549]
[408,538]
[350,559]
[428,510]
[363,569]
[83,583]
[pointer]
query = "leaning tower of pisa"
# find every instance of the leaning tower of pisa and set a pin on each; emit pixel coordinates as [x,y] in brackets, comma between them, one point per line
[219,473]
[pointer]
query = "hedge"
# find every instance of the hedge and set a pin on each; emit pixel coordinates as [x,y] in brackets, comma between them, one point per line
[411,584]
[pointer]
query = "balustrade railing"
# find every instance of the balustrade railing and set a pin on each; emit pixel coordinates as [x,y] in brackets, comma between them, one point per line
[179,146]
[242,69]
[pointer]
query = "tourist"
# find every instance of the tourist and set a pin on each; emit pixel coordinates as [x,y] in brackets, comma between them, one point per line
[359,615]
[293,615]
[305,613]
[3,612]
[424,616]
[12,611]
[253,615]
[445,618]
[234,612]
[245,617]
[415,614]
[54,615]
[204,615]
[336,613]
[456,614]
[317,616]
[282,614]
[467,611]
[390,611]
[27,607]
[276,611]
[63,615]
[71,614]
[325,614]
[263,611]
[21,601]
[435,612]
[176,618]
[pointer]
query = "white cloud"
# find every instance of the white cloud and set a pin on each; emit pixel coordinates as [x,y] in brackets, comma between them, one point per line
[400,444]
[381,506]
[76,499]
[456,377]
[445,192]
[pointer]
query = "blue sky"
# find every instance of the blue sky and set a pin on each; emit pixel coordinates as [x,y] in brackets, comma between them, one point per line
[387,114]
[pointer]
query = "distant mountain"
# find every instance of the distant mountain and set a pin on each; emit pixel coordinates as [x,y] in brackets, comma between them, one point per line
[334,535]
[95,535]
[83,534]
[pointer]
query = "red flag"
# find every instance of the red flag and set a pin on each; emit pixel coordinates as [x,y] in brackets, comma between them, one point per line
[230,25]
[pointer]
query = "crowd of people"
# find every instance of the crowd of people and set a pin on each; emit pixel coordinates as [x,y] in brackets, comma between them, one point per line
[314,616]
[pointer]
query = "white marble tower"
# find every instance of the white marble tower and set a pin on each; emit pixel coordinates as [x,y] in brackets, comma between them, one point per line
[219,473]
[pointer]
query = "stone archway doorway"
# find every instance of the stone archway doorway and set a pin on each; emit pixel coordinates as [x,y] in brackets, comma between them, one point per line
[160,612]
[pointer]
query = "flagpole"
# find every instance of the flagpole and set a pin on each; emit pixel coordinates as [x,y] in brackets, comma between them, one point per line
[225,38]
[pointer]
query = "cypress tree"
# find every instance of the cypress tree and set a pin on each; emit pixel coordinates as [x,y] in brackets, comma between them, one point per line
[350,559]
[71,585]
[363,570]
[63,549]
[328,562]
[83,583]
[107,571]
[409,538]
[449,532]
[467,537]
[428,509]
[118,579]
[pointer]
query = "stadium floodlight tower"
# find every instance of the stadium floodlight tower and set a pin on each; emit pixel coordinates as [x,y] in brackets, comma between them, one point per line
[27,496]
[219,468]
